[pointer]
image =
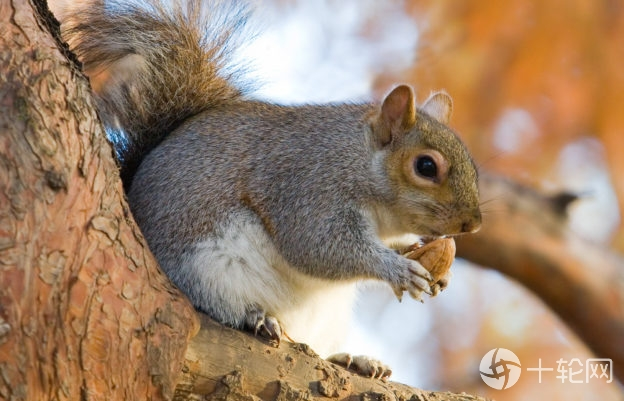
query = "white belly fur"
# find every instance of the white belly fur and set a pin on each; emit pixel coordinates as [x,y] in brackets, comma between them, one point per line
[242,267]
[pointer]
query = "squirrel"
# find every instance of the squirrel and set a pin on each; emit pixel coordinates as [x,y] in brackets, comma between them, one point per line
[264,215]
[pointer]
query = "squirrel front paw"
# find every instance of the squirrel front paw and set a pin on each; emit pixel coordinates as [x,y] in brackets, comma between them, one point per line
[441,284]
[415,280]
[265,325]
[437,257]
[363,365]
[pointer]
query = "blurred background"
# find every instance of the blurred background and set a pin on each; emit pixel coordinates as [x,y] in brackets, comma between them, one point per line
[538,89]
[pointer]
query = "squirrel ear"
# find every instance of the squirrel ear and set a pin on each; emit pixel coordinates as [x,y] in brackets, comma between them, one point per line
[398,113]
[439,106]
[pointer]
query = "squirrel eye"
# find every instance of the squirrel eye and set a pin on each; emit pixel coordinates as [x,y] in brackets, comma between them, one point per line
[426,167]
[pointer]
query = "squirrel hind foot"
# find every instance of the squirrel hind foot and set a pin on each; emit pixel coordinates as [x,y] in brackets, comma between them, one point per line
[362,365]
[267,326]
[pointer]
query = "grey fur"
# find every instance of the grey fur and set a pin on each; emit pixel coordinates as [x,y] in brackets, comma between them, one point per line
[321,183]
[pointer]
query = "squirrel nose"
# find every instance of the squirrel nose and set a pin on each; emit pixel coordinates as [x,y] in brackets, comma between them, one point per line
[473,224]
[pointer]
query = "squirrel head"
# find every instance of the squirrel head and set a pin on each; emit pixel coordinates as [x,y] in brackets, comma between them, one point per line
[433,176]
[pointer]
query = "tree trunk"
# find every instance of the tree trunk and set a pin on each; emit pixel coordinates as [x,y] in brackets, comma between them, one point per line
[85,313]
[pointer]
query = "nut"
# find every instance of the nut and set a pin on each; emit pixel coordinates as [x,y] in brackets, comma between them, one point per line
[435,256]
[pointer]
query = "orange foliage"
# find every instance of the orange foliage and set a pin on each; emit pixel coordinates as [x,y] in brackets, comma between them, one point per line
[560,61]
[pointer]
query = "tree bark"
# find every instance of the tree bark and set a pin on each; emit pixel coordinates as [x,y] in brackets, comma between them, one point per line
[242,367]
[85,313]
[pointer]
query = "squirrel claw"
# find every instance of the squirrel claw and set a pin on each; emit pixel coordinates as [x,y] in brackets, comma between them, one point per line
[398,293]
[436,289]
[272,330]
[415,282]
[417,295]
[265,325]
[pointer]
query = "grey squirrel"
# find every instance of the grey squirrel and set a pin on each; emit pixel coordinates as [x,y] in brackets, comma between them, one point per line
[264,215]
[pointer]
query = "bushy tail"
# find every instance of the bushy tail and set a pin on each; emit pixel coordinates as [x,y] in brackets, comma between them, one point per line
[164,60]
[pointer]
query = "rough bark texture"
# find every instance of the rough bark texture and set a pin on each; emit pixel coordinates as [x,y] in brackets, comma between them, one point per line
[227,364]
[85,313]
[526,238]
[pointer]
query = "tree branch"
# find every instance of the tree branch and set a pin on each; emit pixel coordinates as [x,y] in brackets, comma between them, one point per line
[222,362]
[527,239]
